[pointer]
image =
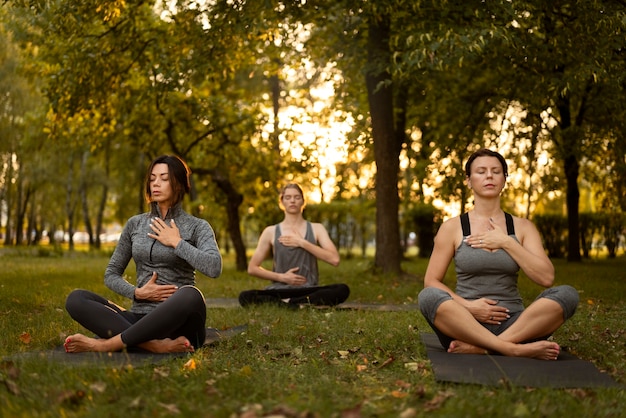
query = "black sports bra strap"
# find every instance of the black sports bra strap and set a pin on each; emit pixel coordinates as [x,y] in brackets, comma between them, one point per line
[465,224]
[510,228]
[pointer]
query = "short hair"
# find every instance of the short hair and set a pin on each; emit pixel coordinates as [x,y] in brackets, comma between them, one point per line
[485,152]
[179,175]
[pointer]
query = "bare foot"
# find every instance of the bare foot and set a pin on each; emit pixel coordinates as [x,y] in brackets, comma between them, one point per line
[167,345]
[79,343]
[543,350]
[457,346]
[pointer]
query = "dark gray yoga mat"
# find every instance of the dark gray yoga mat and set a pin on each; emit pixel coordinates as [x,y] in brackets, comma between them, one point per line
[568,371]
[124,358]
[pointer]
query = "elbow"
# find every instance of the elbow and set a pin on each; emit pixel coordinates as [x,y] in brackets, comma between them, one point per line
[546,280]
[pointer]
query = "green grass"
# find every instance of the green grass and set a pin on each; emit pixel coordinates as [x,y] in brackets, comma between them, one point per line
[291,363]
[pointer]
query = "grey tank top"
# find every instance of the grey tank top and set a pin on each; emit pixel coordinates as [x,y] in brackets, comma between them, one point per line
[492,275]
[286,258]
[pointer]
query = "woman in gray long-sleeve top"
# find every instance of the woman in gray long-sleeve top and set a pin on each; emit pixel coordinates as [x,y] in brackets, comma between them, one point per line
[168,245]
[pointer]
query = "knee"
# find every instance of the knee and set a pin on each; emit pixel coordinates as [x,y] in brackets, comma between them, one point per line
[570,298]
[429,299]
[75,299]
[343,291]
[566,296]
[190,295]
[246,297]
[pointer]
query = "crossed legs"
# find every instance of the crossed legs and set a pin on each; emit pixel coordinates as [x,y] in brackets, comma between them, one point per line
[471,337]
[460,332]
[176,325]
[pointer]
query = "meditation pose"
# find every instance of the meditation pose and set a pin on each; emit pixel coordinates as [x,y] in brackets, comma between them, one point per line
[296,245]
[485,313]
[167,245]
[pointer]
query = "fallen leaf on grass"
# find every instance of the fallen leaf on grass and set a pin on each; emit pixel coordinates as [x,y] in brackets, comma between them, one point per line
[398,394]
[170,408]
[352,413]
[72,397]
[411,366]
[387,362]
[190,365]
[9,368]
[161,372]
[25,337]
[408,413]
[438,401]
[361,367]
[99,387]
[12,387]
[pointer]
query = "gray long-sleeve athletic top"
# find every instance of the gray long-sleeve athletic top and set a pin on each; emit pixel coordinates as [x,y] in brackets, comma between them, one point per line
[197,250]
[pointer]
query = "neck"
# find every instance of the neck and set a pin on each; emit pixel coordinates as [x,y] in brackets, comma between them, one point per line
[292,219]
[488,209]
[164,208]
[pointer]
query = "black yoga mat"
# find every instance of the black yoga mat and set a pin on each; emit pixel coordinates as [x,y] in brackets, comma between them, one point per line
[234,303]
[568,371]
[124,358]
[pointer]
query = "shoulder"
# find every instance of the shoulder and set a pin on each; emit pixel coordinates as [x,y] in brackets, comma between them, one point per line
[269,232]
[450,225]
[319,230]
[138,219]
[450,232]
[523,226]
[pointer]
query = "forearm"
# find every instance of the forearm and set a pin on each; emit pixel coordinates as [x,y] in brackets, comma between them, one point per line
[329,256]
[263,273]
[537,267]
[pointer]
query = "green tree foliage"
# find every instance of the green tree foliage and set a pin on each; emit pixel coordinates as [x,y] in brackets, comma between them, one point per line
[425,83]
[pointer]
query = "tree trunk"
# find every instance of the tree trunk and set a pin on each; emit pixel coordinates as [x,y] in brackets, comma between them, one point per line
[83,197]
[234,200]
[569,145]
[386,149]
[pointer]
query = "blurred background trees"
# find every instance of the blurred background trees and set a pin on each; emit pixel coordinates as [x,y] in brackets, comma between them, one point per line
[372,105]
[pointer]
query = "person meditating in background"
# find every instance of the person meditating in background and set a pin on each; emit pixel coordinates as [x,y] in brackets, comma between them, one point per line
[485,313]
[168,312]
[296,245]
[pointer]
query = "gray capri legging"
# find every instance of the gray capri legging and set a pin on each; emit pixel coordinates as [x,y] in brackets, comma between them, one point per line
[430,298]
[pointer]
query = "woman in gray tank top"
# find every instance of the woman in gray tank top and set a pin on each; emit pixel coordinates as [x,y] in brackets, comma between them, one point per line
[295,245]
[485,312]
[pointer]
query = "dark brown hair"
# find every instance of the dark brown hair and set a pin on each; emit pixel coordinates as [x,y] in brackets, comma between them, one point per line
[484,152]
[179,174]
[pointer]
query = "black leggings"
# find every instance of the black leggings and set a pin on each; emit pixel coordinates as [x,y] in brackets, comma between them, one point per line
[329,295]
[182,314]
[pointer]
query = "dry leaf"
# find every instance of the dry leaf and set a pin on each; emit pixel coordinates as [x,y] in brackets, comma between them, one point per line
[25,337]
[71,397]
[411,366]
[9,368]
[170,408]
[12,387]
[408,413]
[343,353]
[352,413]
[361,367]
[437,401]
[398,394]
[190,365]
[99,387]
